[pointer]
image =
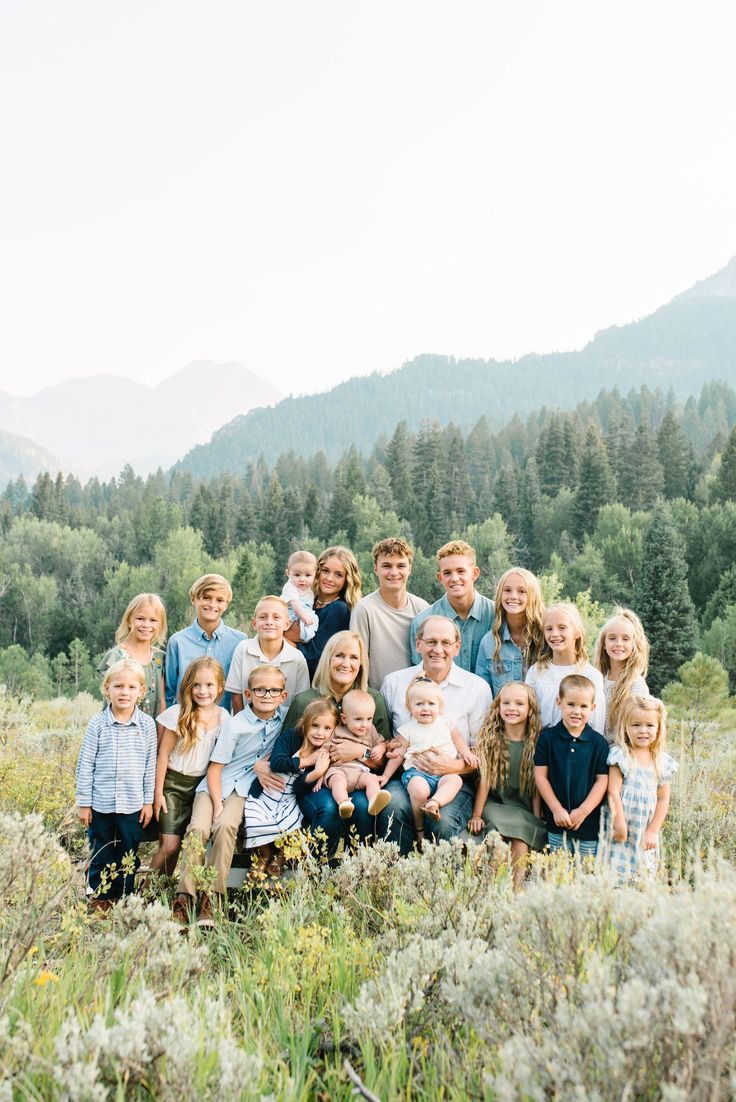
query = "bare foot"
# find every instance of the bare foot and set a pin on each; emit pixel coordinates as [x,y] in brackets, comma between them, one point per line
[432,808]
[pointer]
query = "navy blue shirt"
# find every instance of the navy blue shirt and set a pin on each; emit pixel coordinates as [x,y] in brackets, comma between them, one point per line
[573,764]
[333,617]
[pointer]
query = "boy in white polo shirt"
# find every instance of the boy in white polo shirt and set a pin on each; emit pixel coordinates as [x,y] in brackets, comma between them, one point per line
[268,648]
[383,618]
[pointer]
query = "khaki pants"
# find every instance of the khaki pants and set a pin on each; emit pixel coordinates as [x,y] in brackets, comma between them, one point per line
[224,834]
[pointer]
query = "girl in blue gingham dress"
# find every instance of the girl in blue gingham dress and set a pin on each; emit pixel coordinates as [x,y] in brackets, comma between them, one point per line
[638,789]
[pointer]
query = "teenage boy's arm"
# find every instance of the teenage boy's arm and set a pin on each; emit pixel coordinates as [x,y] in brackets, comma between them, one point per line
[171,671]
[595,796]
[559,814]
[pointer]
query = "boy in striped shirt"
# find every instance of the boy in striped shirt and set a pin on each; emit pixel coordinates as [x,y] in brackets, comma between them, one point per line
[116,771]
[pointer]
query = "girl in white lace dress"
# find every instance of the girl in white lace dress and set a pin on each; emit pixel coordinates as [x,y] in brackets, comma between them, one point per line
[638,789]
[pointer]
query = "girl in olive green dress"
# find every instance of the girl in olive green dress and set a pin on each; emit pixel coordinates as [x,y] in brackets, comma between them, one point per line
[506,798]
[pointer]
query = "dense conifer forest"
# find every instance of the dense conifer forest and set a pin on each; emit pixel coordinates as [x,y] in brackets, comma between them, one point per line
[631,499]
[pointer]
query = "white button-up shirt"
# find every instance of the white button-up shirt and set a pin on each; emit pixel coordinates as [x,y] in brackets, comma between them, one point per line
[467,698]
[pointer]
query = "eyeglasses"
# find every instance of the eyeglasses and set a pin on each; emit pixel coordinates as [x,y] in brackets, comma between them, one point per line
[444,643]
[261,691]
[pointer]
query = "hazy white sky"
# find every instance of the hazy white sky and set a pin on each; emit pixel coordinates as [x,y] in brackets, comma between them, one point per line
[318,190]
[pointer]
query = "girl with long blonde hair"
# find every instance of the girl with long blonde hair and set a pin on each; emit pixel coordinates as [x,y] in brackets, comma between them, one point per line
[188,733]
[505,747]
[515,640]
[622,656]
[564,652]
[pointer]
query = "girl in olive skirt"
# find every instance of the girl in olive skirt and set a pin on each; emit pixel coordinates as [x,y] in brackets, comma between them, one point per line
[188,731]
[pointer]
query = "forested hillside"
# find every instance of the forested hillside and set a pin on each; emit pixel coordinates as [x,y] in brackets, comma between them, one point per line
[575,495]
[680,346]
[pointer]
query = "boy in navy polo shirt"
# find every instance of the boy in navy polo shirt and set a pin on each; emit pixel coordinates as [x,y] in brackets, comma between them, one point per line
[571,770]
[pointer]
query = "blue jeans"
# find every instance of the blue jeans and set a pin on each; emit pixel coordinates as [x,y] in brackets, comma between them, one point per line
[396,822]
[431,780]
[320,812]
[572,845]
[113,835]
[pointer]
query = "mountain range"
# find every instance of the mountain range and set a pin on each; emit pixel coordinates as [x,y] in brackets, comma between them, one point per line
[683,344]
[96,425]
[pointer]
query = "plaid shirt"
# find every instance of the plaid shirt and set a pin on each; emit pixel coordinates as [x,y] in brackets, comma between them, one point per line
[116,767]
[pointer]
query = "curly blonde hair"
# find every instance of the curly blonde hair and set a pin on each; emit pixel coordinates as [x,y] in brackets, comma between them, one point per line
[533,629]
[352,590]
[636,665]
[187,727]
[643,704]
[581,642]
[492,745]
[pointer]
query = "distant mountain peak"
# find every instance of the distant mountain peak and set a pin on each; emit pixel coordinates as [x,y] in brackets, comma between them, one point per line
[720,285]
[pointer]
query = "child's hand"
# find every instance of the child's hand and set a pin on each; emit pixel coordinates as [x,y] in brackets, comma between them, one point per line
[562,819]
[378,751]
[318,785]
[85,816]
[620,833]
[159,805]
[470,758]
[576,818]
[322,761]
[383,781]
[651,838]
[146,814]
[476,824]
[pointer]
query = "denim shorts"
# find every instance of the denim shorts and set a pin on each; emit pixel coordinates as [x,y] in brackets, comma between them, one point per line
[430,778]
[572,845]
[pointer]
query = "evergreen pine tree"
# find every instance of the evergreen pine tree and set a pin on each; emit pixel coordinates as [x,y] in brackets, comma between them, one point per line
[398,465]
[552,458]
[272,521]
[725,485]
[199,514]
[246,527]
[455,478]
[663,601]
[674,455]
[595,485]
[645,476]
[43,498]
[506,496]
[530,500]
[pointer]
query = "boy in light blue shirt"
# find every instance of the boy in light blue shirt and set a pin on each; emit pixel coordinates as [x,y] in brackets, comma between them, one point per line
[470,611]
[207,636]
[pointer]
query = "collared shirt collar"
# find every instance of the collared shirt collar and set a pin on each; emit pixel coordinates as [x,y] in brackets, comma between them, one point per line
[584,735]
[253,646]
[451,679]
[476,609]
[200,633]
[110,718]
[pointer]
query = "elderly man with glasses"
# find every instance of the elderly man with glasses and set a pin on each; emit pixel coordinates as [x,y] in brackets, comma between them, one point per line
[467,700]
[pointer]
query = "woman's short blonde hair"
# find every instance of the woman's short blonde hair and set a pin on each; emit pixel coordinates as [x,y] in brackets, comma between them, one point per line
[322,681]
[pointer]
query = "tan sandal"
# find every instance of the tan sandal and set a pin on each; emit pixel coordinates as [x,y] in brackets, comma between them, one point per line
[432,808]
